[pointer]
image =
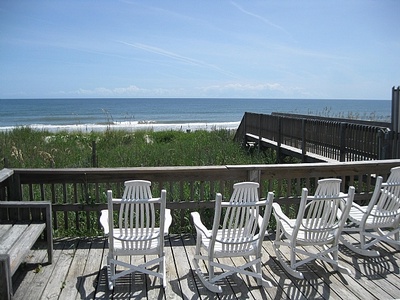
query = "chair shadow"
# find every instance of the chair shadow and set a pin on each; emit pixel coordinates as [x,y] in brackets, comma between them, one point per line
[233,287]
[290,287]
[136,285]
[372,267]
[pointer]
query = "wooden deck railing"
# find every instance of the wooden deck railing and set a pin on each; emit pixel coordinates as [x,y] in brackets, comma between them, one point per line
[78,195]
[332,138]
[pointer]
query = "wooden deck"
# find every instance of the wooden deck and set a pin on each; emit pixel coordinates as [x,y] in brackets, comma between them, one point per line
[78,273]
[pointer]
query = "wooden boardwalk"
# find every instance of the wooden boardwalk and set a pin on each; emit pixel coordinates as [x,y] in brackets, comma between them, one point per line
[78,273]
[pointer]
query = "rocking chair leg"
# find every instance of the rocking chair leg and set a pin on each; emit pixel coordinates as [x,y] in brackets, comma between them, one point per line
[289,269]
[210,286]
[162,271]
[359,250]
[397,239]
[343,270]
[110,274]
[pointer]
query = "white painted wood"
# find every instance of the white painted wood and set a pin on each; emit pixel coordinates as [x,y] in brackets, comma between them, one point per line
[236,232]
[142,223]
[379,221]
[319,222]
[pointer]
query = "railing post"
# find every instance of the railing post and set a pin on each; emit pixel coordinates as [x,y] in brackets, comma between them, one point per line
[279,140]
[395,109]
[303,140]
[14,188]
[259,132]
[395,120]
[343,127]
[254,176]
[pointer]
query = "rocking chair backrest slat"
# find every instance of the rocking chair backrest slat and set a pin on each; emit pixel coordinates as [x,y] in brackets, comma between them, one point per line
[137,220]
[240,217]
[135,228]
[389,199]
[384,207]
[320,215]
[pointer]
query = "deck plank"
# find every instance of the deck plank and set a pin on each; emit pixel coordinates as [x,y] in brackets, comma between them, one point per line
[57,282]
[32,266]
[292,287]
[74,279]
[89,279]
[36,288]
[172,261]
[102,291]
[78,272]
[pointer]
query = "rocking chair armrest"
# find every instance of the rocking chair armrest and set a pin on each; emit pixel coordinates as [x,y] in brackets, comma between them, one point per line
[259,221]
[104,221]
[199,225]
[279,214]
[168,221]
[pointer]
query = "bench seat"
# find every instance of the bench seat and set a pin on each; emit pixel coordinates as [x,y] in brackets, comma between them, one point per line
[21,225]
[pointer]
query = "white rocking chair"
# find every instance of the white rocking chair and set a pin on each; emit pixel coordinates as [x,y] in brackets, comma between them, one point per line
[319,222]
[237,235]
[142,223]
[382,213]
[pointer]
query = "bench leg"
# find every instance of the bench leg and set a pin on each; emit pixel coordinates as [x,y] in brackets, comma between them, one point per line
[5,277]
[50,251]
[49,233]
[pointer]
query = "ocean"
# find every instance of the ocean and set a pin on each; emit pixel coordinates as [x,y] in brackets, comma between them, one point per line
[170,113]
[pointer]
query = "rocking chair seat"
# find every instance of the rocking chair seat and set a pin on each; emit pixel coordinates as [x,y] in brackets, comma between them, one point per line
[288,227]
[380,220]
[141,225]
[234,234]
[319,222]
[245,246]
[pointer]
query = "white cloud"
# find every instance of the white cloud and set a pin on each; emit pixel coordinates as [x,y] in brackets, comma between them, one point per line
[230,89]
[246,87]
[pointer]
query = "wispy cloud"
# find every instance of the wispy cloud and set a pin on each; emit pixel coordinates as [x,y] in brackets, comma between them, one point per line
[179,58]
[265,20]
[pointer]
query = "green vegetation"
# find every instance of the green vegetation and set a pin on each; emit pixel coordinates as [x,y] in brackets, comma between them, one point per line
[27,148]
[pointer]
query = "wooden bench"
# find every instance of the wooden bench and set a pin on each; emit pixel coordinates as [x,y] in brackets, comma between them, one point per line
[21,225]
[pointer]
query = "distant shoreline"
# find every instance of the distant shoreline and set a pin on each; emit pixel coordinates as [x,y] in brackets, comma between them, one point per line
[127,126]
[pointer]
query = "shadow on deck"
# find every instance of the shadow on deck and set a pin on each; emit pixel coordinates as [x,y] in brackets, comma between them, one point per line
[78,272]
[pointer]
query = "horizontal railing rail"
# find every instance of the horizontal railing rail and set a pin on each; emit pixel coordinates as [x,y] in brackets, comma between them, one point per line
[331,138]
[78,195]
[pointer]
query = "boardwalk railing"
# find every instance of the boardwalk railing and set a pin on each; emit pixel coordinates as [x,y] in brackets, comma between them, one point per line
[78,195]
[332,139]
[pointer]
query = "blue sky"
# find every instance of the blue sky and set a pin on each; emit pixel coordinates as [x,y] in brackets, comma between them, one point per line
[330,49]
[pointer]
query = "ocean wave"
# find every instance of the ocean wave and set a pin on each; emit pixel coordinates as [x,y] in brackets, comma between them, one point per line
[129,126]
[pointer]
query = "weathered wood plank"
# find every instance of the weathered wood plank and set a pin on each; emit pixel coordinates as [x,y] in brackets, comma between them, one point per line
[24,243]
[36,288]
[102,291]
[90,277]
[74,279]
[57,282]
[184,285]
[172,276]
[191,282]
[3,229]
[26,275]
[11,237]
[5,174]
[372,278]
